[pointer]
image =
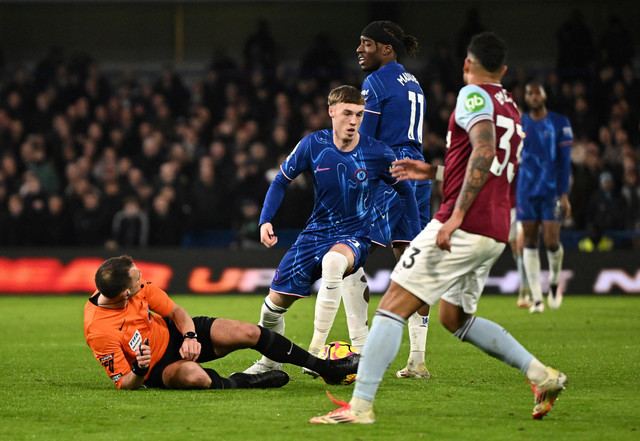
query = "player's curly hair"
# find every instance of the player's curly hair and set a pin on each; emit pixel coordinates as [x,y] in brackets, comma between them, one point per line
[113,276]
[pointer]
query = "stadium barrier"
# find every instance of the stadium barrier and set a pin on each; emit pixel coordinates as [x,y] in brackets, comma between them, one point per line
[210,271]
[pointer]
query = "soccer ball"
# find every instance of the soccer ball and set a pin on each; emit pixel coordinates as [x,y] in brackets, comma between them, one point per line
[336,350]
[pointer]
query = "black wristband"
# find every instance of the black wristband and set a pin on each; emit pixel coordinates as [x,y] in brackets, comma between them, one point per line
[137,370]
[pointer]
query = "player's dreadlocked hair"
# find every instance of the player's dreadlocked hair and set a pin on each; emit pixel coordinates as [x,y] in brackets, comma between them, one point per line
[388,32]
[409,42]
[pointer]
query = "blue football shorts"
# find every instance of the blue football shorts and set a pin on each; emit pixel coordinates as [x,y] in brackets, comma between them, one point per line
[538,209]
[301,266]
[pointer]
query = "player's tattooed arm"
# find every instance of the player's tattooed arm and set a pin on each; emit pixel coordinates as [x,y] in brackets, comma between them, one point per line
[483,144]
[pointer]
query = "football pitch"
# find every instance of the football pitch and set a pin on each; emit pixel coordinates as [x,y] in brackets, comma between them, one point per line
[52,388]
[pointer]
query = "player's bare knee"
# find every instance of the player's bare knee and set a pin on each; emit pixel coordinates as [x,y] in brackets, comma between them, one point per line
[251,334]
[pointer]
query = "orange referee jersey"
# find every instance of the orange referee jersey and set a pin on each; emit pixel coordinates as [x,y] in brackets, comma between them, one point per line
[114,335]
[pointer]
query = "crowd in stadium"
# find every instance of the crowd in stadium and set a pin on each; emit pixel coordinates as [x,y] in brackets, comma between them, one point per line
[117,159]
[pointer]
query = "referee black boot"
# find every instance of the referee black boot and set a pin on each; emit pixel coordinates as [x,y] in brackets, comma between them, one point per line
[265,380]
[336,370]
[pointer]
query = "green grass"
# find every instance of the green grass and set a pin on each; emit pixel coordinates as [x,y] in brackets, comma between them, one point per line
[52,388]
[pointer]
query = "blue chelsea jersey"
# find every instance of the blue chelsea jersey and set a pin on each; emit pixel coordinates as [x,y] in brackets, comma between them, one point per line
[344,183]
[395,107]
[545,166]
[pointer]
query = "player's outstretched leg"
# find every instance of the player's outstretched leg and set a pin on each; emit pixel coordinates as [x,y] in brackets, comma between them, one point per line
[282,350]
[491,338]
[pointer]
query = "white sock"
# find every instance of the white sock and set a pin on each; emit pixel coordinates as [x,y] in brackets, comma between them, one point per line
[271,317]
[531,261]
[536,371]
[418,329]
[334,266]
[555,264]
[355,295]
[524,282]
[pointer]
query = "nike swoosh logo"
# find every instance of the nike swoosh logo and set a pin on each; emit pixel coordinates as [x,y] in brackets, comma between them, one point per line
[328,287]
[290,349]
[122,325]
[318,169]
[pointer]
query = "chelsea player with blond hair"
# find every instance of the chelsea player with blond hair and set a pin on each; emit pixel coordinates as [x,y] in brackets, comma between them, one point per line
[346,167]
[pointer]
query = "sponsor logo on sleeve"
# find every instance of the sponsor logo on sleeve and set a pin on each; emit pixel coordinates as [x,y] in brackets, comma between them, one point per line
[474,102]
[115,377]
[107,362]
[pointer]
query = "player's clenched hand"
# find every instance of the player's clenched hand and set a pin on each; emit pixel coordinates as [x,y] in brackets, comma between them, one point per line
[412,169]
[143,354]
[190,349]
[443,239]
[267,236]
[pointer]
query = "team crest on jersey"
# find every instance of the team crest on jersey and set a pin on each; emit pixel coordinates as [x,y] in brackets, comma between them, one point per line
[474,102]
[361,175]
[135,341]
[276,277]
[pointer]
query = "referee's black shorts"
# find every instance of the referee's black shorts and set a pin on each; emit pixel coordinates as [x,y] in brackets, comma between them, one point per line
[172,354]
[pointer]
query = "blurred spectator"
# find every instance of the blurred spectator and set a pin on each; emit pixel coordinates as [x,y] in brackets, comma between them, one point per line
[35,210]
[12,227]
[130,226]
[91,227]
[246,226]
[630,191]
[59,229]
[165,226]
[322,61]
[606,211]
[260,49]
[585,170]
[172,88]
[209,201]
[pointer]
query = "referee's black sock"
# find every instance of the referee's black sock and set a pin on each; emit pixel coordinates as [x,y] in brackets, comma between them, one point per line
[278,348]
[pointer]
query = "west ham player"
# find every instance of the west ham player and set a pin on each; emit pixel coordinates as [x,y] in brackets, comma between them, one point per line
[543,187]
[347,168]
[394,114]
[451,258]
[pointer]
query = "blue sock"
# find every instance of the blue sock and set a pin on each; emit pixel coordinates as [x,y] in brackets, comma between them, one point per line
[379,351]
[495,341]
